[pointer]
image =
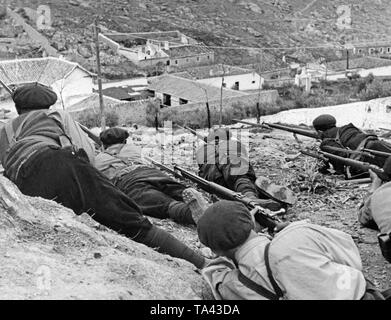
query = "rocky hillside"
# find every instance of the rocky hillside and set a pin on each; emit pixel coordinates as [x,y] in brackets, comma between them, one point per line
[220,23]
[49,253]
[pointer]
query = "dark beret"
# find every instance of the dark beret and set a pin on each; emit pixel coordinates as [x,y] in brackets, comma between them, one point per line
[324,122]
[33,97]
[113,136]
[225,225]
[221,133]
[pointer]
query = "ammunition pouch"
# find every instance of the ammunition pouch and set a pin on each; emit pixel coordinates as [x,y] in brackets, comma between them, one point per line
[385,245]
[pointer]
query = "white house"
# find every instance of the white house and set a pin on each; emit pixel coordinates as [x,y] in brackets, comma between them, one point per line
[336,70]
[70,81]
[235,78]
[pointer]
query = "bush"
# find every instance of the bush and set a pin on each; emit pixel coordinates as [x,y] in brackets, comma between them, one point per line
[92,119]
[375,89]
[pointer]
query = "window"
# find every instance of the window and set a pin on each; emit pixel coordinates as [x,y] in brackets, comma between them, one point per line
[224,85]
[389,49]
[253,82]
[166,99]
[359,51]
[381,50]
[371,50]
[198,58]
[208,57]
[236,86]
[183,101]
[168,62]
[176,61]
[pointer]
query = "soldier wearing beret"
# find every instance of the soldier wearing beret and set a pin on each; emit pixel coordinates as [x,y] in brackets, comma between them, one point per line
[302,262]
[154,192]
[225,161]
[46,154]
[348,137]
[375,210]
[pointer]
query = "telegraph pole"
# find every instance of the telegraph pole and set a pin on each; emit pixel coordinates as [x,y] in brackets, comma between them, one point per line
[221,98]
[101,104]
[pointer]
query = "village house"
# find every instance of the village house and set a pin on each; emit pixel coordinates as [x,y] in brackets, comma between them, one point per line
[174,91]
[230,77]
[380,49]
[69,80]
[169,50]
[336,70]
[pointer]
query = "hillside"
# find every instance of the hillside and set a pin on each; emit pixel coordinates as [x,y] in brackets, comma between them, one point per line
[49,253]
[221,23]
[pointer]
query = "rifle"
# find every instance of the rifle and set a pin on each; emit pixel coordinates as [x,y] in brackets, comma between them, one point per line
[263,216]
[84,128]
[195,133]
[302,132]
[377,153]
[349,152]
[362,166]
[313,155]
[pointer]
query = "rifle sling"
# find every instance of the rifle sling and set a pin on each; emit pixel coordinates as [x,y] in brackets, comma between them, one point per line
[261,290]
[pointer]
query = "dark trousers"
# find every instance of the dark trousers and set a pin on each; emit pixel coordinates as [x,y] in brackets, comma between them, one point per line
[66,178]
[153,191]
[69,179]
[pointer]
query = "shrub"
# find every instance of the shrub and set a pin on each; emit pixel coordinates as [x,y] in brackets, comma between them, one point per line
[92,119]
[375,89]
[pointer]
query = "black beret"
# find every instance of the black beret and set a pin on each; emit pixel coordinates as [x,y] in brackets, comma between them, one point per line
[324,122]
[221,133]
[225,225]
[113,136]
[33,97]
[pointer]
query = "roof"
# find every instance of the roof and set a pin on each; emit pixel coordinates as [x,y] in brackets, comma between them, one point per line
[187,51]
[189,90]
[118,93]
[43,70]
[359,63]
[213,71]
[92,102]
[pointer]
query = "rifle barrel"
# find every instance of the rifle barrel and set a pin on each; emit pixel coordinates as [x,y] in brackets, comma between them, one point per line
[306,133]
[331,149]
[378,153]
[363,166]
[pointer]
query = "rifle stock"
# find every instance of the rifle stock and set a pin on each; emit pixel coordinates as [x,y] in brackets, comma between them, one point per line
[302,132]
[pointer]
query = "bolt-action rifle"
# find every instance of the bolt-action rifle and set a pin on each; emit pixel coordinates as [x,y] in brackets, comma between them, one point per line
[302,132]
[264,217]
[359,165]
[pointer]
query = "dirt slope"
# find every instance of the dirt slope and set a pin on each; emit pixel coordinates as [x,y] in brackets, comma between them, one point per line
[46,252]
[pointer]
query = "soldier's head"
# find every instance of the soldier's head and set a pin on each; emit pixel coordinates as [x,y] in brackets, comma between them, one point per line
[324,122]
[113,136]
[225,226]
[219,134]
[33,97]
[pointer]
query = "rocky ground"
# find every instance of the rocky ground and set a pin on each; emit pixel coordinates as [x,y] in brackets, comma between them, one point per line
[47,252]
[222,23]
